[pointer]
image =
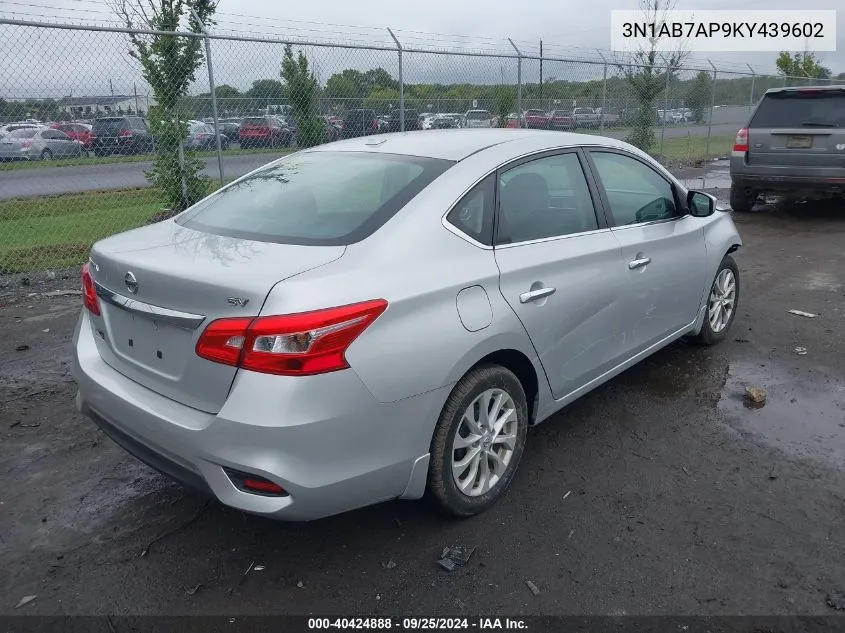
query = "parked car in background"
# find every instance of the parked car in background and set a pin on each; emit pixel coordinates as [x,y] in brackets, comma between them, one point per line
[230,127]
[515,270]
[359,122]
[11,127]
[536,119]
[793,144]
[334,127]
[121,135]
[478,118]
[77,131]
[560,120]
[412,121]
[41,143]
[585,117]
[201,136]
[264,131]
[443,122]
[512,121]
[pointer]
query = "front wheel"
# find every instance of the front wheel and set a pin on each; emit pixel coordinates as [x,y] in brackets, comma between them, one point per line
[721,304]
[478,441]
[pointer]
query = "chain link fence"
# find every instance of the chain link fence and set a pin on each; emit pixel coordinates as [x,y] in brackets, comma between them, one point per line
[81,126]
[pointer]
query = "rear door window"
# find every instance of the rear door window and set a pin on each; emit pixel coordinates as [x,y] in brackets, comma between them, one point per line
[316,198]
[795,109]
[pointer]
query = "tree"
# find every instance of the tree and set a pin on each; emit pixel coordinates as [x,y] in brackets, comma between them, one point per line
[801,65]
[646,72]
[379,78]
[169,65]
[380,99]
[270,91]
[302,90]
[226,91]
[698,95]
[504,103]
[348,86]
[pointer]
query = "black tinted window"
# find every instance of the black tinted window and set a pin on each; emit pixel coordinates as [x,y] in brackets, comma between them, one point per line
[547,197]
[319,198]
[106,127]
[801,109]
[635,191]
[473,215]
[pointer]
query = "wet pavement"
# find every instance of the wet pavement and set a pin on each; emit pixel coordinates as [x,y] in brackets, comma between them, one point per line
[659,493]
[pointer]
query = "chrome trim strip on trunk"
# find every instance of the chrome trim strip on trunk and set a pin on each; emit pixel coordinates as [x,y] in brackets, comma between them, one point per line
[184,320]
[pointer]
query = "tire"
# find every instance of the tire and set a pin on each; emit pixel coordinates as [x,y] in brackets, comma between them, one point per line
[46,155]
[742,202]
[443,486]
[708,334]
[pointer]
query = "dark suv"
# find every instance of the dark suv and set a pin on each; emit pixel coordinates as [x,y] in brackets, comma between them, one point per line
[412,120]
[794,143]
[122,135]
[359,123]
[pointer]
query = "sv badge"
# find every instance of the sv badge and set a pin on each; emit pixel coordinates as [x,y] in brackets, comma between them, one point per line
[237,301]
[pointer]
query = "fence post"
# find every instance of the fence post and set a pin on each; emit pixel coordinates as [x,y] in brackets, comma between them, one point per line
[401,84]
[665,108]
[213,88]
[518,82]
[753,79]
[603,91]
[712,103]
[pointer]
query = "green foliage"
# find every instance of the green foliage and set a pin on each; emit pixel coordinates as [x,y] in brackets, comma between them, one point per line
[269,91]
[302,91]
[169,66]
[801,65]
[380,99]
[505,101]
[697,97]
[354,87]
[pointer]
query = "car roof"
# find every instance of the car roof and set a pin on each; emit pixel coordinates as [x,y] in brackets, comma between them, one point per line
[456,145]
[806,88]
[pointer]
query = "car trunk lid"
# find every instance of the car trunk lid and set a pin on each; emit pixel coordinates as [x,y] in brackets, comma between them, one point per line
[800,128]
[160,286]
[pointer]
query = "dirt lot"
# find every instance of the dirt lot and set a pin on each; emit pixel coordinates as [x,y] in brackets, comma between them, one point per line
[659,493]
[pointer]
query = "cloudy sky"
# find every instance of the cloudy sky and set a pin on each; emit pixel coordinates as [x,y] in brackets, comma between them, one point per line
[57,63]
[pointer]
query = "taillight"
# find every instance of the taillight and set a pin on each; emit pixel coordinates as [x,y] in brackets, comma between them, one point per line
[26,144]
[89,292]
[125,133]
[375,124]
[741,142]
[301,344]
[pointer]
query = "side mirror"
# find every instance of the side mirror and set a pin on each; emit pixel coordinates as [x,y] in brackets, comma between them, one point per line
[701,204]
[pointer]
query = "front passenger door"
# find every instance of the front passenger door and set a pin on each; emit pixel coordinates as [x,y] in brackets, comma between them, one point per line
[560,269]
[663,249]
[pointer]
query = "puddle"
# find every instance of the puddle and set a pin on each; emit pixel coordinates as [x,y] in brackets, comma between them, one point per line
[804,414]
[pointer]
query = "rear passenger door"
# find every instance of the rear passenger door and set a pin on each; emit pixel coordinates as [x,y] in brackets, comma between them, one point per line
[663,249]
[560,267]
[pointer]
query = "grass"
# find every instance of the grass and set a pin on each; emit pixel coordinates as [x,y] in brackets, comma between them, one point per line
[57,231]
[139,158]
[690,149]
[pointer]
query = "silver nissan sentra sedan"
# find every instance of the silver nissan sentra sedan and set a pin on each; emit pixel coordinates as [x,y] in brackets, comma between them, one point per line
[384,317]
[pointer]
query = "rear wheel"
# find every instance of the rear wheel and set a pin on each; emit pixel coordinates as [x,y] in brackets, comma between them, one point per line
[721,304]
[478,441]
[742,200]
[46,155]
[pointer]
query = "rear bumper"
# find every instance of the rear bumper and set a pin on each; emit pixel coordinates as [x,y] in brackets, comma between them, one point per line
[785,179]
[331,454]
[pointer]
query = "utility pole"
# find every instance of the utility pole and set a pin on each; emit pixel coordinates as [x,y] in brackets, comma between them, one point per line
[541,70]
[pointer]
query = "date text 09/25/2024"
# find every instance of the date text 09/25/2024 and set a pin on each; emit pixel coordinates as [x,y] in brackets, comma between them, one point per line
[416,624]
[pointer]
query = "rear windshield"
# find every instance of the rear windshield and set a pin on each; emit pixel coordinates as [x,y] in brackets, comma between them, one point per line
[478,115]
[316,198]
[357,115]
[109,126]
[26,132]
[801,109]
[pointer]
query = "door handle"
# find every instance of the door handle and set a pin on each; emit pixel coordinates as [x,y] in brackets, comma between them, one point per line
[639,263]
[533,295]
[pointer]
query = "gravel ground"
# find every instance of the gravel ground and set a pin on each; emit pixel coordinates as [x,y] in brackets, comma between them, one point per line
[658,493]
